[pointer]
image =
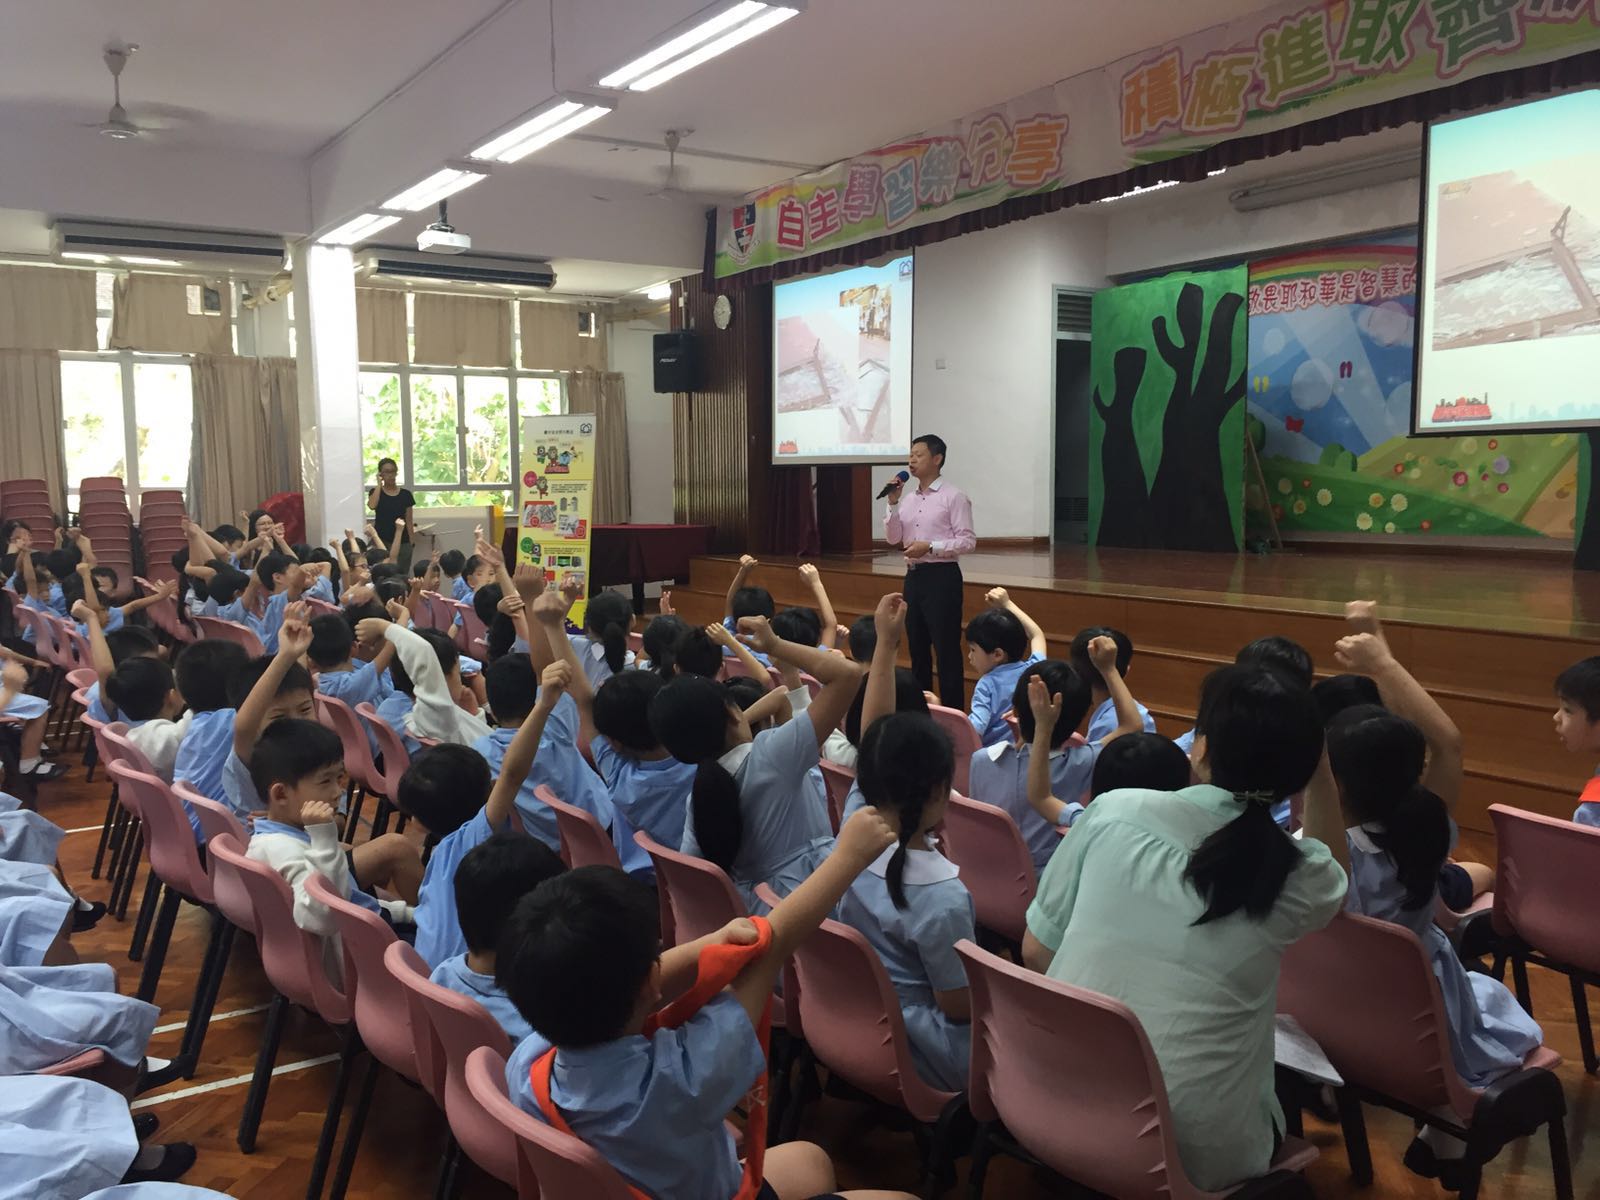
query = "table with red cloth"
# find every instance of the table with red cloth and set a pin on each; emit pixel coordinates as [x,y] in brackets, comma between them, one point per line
[640,554]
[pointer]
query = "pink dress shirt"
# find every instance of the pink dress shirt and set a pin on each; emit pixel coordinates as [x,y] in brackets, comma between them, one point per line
[940,515]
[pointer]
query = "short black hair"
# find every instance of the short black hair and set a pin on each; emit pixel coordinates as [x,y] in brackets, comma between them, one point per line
[358,612]
[863,638]
[1140,760]
[61,564]
[547,961]
[493,877]
[486,602]
[203,671]
[934,443]
[622,710]
[391,462]
[106,573]
[660,640]
[751,602]
[444,787]
[472,564]
[697,654]
[273,562]
[226,584]
[131,641]
[452,562]
[139,687]
[996,629]
[1580,684]
[1061,680]
[1339,692]
[388,569]
[228,533]
[512,686]
[443,649]
[1283,655]
[376,556]
[244,678]
[799,625]
[290,750]
[1078,653]
[332,640]
[742,691]
[389,588]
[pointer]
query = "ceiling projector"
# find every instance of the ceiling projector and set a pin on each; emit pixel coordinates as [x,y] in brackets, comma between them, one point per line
[440,238]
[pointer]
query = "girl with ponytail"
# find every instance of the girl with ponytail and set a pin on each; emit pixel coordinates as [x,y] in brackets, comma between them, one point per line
[603,645]
[1396,772]
[909,903]
[752,810]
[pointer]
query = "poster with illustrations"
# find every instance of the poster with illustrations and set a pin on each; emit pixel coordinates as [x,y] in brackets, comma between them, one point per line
[555,497]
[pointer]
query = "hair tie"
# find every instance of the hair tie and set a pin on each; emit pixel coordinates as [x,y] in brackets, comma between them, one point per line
[1255,797]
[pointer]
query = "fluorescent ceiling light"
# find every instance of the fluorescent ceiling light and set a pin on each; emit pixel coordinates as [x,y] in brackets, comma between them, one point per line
[1139,191]
[658,291]
[549,124]
[683,43]
[443,183]
[358,229]
[770,19]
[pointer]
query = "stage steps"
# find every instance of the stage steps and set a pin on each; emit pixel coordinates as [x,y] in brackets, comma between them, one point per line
[1496,685]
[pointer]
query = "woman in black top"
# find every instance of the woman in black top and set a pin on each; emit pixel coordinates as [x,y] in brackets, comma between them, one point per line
[389,503]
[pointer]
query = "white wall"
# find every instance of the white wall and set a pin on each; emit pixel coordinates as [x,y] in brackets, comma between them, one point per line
[649,419]
[984,360]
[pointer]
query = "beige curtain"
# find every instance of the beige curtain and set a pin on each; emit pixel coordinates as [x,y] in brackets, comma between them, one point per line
[277,381]
[31,443]
[229,463]
[603,394]
[550,340]
[467,331]
[381,325]
[151,312]
[47,308]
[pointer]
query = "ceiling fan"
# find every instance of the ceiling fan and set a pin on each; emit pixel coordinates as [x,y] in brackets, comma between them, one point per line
[118,125]
[672,182]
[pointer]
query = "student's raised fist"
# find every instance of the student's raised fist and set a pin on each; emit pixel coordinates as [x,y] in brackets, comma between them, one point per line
[1362,653]
[997,597]
[549,609]
[294,637]
[1046,708]
[1103,654]
[553,681]
[889,618]
[747,563]
[510,605]
[81,612]
[529,581]
[571,589]
[315,812]
[1362,616]
[371,629]
[756,633]
[865,836]
[666,608]
[809,574]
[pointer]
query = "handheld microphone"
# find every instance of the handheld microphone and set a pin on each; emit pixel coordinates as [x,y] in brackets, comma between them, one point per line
[898,480]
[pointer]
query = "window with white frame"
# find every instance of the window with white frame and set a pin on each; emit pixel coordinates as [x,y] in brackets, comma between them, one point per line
[453,430]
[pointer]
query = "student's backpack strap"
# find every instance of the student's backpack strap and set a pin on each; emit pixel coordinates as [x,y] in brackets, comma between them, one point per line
[718,967]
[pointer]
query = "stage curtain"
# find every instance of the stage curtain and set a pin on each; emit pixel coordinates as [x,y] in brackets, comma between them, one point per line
[792,512]
[230,458]
[278,385]
[151,312]
[1580,70]
[30,397]
[465,331]
[47,308]
[550,340]
[381,325]
[603,393]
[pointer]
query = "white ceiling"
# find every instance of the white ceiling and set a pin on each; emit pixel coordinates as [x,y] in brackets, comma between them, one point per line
[290,116]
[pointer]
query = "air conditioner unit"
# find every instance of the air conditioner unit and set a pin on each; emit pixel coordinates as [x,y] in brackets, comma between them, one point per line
[390,262]
[1328,181]
[152,246]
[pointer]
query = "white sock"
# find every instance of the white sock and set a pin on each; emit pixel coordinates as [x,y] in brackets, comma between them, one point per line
[1443,1145]
[27,764]
[154,1064]
[149,1158]
[82,904]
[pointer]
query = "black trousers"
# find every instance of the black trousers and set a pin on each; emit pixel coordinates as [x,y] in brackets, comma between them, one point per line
[933,629]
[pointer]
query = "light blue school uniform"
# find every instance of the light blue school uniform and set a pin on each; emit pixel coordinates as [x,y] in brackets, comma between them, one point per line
[558,766]
[1103,721]
[460,591]
[393,710]
[204,751]
[454,974]
[1282,811]
[1588,812]
[270,621]
[732,626]
[61,1136]
[652,795]
[94,705]
[362,684]
[1185,741]
[33,907]
[438,921]
[322,590]
[1490,1034]
[234,611]
[991,699]
[238,789]
[51,1014]
[917,946]
[998,775]
[26,837]
[592,658]
[113,622]
[654,1107]
[56,604]
[471,666]
[27,707]
[155,1191]
[786,831]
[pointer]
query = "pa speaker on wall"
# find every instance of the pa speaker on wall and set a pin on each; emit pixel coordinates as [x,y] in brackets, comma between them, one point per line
[675,360]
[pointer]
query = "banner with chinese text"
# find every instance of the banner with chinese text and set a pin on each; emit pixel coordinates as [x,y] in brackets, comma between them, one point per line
[554,499]
[1285,65]
[1331,332]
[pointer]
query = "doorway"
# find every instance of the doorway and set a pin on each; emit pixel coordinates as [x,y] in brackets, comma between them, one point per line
[1073,386]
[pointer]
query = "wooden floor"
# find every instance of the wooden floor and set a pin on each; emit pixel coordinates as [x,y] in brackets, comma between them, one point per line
[405,1137]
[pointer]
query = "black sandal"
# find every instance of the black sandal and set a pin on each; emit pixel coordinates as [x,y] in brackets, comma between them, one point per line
[176,1158]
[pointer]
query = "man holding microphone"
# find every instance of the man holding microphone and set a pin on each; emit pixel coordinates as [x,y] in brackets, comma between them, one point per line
[933,524]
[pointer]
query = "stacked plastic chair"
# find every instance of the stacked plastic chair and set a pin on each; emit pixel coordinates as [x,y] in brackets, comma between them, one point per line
[161,516]
[103,516]
[28,500]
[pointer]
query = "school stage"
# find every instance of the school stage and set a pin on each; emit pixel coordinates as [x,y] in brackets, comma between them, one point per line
[1485,631]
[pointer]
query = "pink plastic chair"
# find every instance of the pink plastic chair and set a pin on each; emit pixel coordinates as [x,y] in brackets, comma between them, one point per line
[358,764]
[1071,1076]
[470,633]
[855,1029]
[450,1027]
[546,1158]
[292,959]
[1547,887]
[114,746]
[963,737]
[1365,992]
[995,864]
[396,758]
[697,895]
[583,842]
[838,781]
[227,890]
[230,631]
